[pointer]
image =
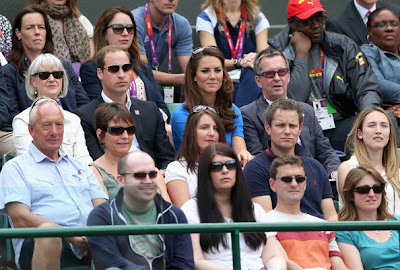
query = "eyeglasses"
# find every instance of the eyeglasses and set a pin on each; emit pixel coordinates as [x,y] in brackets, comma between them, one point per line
[383,25]
[288,179]
[200,49]
[217,166]
[271,73]
[117,130]
[115,68]
[142,175]
[309,21]
[200,108]
[119,28]
[365,189]
[44,75]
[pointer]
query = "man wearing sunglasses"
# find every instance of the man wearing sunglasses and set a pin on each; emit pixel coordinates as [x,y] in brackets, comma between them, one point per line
[328,70]
[168,31]
[305,250]
[273,77]
[46,188]
[138,202]
[113,70]
[284,121]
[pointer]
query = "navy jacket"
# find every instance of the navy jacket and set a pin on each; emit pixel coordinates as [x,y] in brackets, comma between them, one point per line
[4,108]
[116,251]
[93,87]
[18,100]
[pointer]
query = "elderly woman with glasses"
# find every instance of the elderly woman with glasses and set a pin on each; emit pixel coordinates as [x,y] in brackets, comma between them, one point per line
[207,84]
[364,198]
[46,79]
[116,26]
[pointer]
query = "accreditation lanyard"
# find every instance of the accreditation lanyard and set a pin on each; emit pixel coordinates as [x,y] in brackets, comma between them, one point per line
[153,44]
[238,50]
[132,87]
[322,68]
[4,44]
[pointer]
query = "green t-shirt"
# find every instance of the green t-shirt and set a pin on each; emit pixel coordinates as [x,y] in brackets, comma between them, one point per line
[149,245]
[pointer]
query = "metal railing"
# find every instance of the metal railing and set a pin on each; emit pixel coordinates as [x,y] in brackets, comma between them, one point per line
[233,228]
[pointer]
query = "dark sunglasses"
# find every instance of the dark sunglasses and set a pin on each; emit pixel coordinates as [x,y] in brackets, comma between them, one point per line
[200,108]
[288,179]
[142,175]
[44,75]
[200,49]
[365,189]
[119,28]
[271,73]
[309,21]
[217,166]
[115,68]
[117,130]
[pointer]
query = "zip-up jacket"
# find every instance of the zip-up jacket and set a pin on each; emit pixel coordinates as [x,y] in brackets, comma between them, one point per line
[116,250]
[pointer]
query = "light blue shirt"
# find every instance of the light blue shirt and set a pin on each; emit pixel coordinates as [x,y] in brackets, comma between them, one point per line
[61,191]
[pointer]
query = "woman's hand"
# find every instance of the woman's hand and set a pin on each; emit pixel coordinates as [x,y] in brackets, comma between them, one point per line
[244,157]
[248,60]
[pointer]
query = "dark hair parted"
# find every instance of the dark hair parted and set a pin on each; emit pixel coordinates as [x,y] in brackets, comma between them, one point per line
[285,105]
[284,160]
[190,150]
[107,112]
[101,55]
[349,210]
[99,36]
[17,55]
[223,101]
[242,206]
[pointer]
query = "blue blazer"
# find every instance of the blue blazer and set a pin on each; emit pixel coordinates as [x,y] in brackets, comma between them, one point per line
[93,86]
[17,99]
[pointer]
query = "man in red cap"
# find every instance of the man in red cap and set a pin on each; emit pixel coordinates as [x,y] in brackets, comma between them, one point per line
[328,70]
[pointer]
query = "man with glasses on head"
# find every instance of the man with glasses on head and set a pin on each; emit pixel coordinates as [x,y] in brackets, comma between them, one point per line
[304,250]
[328,70]
[138,202]
[113,70]
[37,184]
[284,121]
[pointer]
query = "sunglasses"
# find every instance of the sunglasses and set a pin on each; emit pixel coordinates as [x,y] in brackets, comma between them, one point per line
[309,21]
[119,28]
[117,130]
[288,179]
[115,68]
[142,175]
[271,73]
[217,166]
[200,49]
[365,189]
[44,75]
[200,108]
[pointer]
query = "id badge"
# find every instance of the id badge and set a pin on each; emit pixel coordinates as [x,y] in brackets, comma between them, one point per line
[325,118]
[168,94]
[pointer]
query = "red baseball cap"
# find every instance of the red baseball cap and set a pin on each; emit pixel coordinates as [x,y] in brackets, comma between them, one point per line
[304,9]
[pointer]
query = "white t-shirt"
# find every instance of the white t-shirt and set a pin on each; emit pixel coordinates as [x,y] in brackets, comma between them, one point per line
[176,170]
[250,259]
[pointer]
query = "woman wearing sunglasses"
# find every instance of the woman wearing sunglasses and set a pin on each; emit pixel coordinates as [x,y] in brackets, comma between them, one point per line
[46,79]
[364,198]
[373,140]
[222,197]
[31,36]
[72,32]
[116,26]
[208,84]
[202,128]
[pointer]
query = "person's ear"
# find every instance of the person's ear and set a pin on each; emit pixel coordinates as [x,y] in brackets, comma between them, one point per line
[258,81]
[100,74]
[267,128]
[359,134]
[31,131]
[120,180]
[18,34]
[98,133]
[272,184]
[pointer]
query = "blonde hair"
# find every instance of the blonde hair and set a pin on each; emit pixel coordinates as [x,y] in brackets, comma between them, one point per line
[251,9]
[390,159]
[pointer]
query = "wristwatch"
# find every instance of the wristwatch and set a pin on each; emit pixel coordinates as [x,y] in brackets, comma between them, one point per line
[236,63]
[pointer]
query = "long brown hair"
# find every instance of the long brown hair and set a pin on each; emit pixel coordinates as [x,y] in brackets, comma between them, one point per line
[101,29]
[190,150]
[223,101]
[349,211]
[17,55]
[70,3]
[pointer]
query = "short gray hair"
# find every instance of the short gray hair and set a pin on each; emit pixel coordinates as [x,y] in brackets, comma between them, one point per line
[267,53]
[35,106]
[36,66]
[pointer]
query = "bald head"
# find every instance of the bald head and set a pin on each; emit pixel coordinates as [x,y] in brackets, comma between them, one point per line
[134,159]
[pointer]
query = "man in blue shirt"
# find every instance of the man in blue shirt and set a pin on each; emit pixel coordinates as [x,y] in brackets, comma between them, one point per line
[46,188]
[161,14]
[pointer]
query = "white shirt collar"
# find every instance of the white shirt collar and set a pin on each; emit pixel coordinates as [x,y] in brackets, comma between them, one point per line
[109,100]
[363,11]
